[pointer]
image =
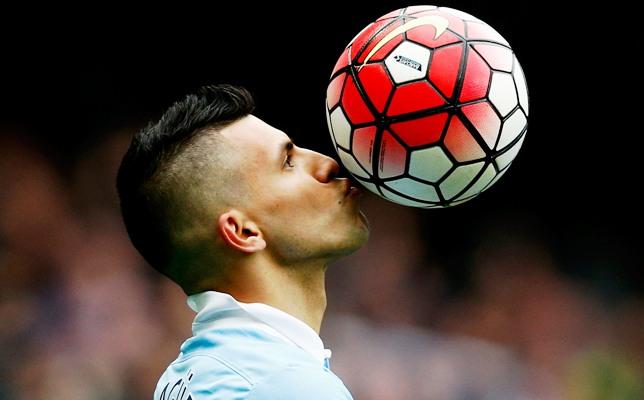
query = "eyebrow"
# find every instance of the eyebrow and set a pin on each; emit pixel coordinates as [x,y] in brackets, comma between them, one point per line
[285,147]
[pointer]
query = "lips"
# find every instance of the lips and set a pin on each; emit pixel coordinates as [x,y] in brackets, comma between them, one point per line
[347,187]
[351,189]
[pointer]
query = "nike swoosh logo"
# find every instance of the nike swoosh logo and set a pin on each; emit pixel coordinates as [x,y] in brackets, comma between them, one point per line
[438,22]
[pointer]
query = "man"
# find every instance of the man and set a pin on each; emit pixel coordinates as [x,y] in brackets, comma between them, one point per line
[245,222]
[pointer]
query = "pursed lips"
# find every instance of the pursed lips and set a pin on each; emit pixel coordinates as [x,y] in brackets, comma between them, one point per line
[350,188]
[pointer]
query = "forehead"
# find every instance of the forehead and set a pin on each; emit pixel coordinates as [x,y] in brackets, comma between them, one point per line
[251,135]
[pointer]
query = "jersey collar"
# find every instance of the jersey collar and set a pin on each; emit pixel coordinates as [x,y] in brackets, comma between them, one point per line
[218,310]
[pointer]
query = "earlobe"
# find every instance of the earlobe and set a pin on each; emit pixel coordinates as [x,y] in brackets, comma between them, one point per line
[240,233]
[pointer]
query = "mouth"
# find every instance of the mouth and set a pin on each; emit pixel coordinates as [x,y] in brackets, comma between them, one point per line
[351,189]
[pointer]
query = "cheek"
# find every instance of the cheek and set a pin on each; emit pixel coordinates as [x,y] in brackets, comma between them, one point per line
[290,202]
[298,196]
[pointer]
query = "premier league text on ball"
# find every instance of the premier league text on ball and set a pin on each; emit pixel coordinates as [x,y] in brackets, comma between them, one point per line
[427,106]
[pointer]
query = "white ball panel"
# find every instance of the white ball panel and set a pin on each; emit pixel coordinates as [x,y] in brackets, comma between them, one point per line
[351,164]
[485,120]
[492,33]
[408,62]
[460,14]
[522,86]
[328,122]
[415,9]
[506,158]
[404,201]
[502,93]
[496,178]
[341,128]
[498,57]
[429,164]
[459,179]
[481,183]
[460,201]
[370,186]
[512,128]
[414,189]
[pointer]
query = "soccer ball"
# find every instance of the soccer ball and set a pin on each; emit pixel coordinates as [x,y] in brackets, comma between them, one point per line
[427,106]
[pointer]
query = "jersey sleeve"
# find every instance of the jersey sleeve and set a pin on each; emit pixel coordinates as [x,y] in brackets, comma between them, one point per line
[300,382]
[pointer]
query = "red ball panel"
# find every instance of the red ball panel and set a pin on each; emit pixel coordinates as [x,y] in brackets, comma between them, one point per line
[366,35]
[421,131]
[353,105]
[414,97]
[477,78]
[424,35]
[376,83]
[485,120]
[392,157]
[363,140]
[444,68]
[460,142]
[334,91]
[342,62]
[378,37]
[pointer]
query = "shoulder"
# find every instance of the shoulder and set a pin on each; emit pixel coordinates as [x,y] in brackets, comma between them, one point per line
[233,364]
[250,354]
[201,376]
[300,382]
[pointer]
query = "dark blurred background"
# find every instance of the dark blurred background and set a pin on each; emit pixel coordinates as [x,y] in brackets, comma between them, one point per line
[531,291]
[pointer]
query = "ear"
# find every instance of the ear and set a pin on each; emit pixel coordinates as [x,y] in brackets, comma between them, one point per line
[240,233]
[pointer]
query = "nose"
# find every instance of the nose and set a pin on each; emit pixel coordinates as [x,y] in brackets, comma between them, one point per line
[325,168]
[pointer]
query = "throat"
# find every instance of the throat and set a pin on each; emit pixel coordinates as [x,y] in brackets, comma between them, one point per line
[297,291]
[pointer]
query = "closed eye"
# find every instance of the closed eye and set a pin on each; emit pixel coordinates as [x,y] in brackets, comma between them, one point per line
[288,161]
[285,151]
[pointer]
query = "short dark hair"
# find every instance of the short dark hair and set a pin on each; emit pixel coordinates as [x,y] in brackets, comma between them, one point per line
[154,148]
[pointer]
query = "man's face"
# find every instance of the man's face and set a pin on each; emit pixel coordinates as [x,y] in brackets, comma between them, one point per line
[303,211]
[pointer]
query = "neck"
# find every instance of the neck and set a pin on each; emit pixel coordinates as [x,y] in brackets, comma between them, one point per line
[298,290]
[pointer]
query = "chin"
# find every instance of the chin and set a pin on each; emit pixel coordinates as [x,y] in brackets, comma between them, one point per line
[357,238]
[353,238]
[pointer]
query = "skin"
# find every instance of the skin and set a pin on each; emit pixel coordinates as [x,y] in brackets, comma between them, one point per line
[298,219]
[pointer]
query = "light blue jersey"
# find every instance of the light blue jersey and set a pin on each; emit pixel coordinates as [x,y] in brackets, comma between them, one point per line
[251,352]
